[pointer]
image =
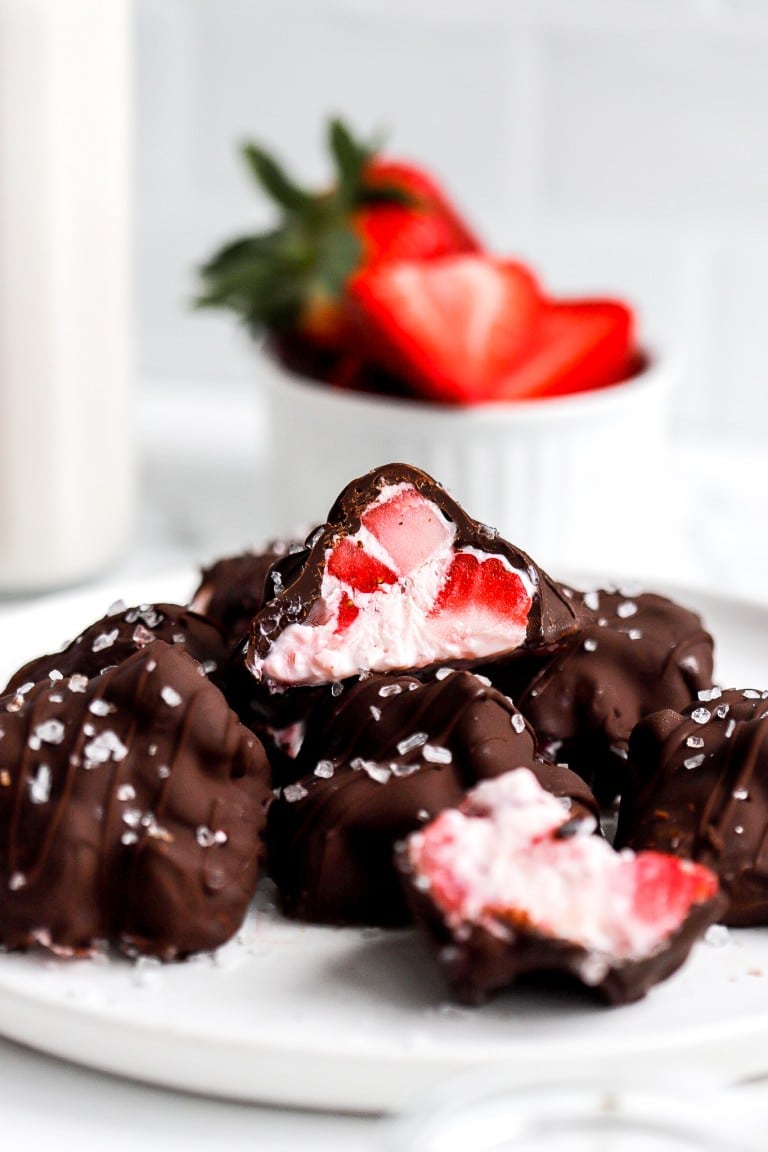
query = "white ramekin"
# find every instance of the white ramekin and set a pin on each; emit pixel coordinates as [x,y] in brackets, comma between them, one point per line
[578,481]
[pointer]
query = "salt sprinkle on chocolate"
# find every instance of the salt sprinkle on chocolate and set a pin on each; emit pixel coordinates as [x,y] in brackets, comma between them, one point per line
[104,640]
[294,792]
[436,754]
[412,742]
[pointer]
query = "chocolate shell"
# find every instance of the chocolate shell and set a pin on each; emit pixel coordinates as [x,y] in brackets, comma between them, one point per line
[131,811]
[632,655]
[123,632]
[400,578]
[233,589]
[390,755]
[698,787]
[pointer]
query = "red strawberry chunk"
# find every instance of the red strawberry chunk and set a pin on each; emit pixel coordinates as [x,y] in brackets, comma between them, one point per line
[453,327]
[666,887]
[352,565]
[347,614]
[409,527]
[487,587]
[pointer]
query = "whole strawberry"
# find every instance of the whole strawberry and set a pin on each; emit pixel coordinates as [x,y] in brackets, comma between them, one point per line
[290,281]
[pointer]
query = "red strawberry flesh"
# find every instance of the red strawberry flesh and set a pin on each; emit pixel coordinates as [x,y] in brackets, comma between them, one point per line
[352,565]
[397,594]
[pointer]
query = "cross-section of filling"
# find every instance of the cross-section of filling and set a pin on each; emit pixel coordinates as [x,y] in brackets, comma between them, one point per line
[398,593]
[509,863]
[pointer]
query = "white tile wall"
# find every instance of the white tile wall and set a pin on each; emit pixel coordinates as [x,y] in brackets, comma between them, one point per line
[621,145]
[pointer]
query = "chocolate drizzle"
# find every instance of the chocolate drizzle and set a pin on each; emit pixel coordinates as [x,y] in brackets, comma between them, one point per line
[698,788]
[131,808]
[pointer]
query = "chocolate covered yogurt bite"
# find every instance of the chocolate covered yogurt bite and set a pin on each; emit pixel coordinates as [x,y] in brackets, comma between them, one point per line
[698,787]
[508,884]
[392,753]
[131,811]
[121,633]
[401,578]
[233,589]
[635,652]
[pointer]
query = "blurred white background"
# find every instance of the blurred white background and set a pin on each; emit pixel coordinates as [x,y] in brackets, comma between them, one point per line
[619,145]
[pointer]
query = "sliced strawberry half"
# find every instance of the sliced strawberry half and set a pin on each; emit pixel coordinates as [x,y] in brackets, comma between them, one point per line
[453,327]
[578,345]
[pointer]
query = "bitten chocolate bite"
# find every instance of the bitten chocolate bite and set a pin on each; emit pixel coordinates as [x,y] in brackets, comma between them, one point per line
[131,811]
[401,578]
[389,755]
[121,633]
[698,787]
[633,654]
[506,884]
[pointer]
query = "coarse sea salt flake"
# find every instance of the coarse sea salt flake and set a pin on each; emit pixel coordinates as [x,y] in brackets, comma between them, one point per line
[77,683]
[695,742]
[626,609]
[294,792]
[40,785]
[50,732]
[436,754]
[517,720]
[101,707]
[104,747]
[170,696]
[390,690]
[324,769]
[416,740]
[701,715]
[104,640]
[590,644]
[694,761]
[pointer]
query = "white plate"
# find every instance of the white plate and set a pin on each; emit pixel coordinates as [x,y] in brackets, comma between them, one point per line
[359,1020]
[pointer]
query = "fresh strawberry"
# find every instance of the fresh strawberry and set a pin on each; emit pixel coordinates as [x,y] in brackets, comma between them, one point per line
[475,590]
[454,327]
[426,226]
[578,345]
[291,280]
[354,567]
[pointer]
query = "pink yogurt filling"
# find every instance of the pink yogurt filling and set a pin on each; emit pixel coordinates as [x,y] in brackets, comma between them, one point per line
[397,594]
[500,864]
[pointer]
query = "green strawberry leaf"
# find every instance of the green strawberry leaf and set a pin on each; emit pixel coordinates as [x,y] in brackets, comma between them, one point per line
[275,181]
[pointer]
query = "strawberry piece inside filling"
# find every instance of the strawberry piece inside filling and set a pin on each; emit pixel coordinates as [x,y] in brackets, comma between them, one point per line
[397,594]
[501,863]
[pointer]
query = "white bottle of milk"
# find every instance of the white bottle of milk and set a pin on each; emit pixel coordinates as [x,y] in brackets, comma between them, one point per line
[66,436]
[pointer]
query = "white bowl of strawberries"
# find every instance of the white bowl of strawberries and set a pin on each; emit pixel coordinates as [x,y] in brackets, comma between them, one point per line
[388,332]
